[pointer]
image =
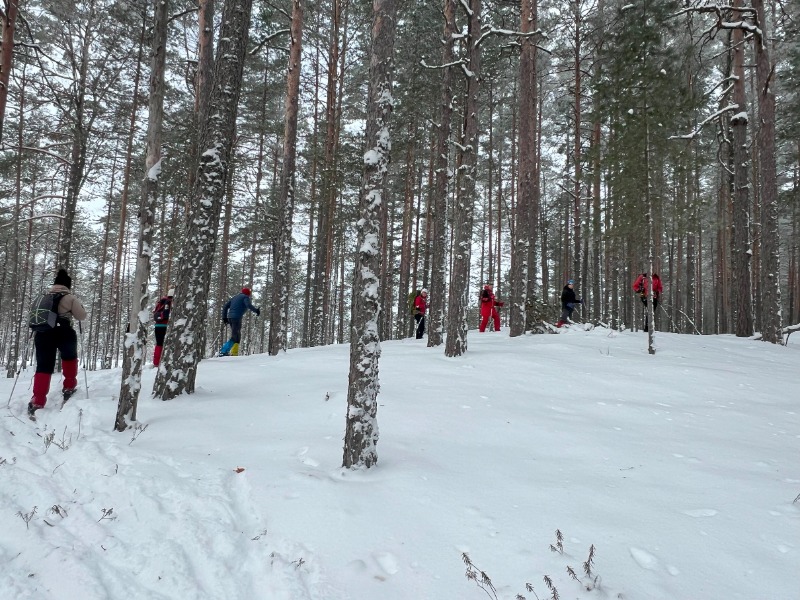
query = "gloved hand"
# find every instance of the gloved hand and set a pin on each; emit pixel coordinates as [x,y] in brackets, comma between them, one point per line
[581,300]
[258,312]
[225,320]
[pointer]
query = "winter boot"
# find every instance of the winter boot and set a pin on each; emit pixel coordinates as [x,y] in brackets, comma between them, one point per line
[235,350]
[41,385]
[67,394]
[32,408]
[560,323]
[157,355]
[226,349]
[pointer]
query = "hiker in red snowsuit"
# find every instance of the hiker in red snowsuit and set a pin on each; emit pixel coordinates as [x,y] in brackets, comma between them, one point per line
[420,306]
[161,317]
[642,285]
[488,308]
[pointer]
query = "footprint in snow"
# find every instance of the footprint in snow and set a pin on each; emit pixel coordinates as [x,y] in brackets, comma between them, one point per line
[644,559]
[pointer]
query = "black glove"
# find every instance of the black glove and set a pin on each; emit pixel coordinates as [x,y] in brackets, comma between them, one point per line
[225,320]
[258,312]
[581,300]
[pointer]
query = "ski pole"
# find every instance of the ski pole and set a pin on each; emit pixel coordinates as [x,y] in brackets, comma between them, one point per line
[83,354]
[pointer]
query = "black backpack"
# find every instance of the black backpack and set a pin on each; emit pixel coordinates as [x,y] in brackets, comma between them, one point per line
[44,312]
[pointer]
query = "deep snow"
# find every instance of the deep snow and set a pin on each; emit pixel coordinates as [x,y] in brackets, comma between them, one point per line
[680,468]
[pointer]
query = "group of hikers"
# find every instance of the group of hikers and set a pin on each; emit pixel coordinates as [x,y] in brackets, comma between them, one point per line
[569,301]
[59,337]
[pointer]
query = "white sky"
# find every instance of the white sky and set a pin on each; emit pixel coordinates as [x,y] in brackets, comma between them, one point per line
[681,468]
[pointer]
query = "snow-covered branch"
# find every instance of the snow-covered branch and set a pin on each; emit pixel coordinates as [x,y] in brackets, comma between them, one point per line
[704,122]
[507,33]
[446,66]
[268,39]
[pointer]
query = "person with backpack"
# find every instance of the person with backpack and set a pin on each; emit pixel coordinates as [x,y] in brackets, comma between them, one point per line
[568,302]
[420,306]
[641,286]
[489,306]
[59,338]
[161,318]
[232,314]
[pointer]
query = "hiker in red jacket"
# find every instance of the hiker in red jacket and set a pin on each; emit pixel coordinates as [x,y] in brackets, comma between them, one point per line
[642,286]
[161,318]
[488,308]
[420,306]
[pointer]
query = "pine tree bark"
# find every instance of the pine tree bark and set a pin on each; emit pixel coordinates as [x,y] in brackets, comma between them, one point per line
[361,435]
[136,339]
[9,24]
[185,338]
[464,207]
[436,312]
[765,142]
[285,207]
[742,250]
[524,222]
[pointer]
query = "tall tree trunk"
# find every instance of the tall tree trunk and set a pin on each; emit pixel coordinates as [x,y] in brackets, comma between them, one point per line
[742,250]
[9,22]
[770,233]
[285,208]
[361,434]
[524,220]
[136,339]
[185,338]
[464,207]
[439,210]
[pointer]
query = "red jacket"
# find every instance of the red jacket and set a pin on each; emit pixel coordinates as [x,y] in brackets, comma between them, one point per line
[488,301]
[421,304]
[642,285]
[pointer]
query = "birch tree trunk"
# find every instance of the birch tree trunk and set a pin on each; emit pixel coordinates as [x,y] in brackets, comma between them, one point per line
[285,208]
[463,211]
[439,210]
[361,435]
[136,338]
[184,345]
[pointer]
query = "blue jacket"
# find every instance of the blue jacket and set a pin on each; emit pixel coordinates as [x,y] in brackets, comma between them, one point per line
[237,306]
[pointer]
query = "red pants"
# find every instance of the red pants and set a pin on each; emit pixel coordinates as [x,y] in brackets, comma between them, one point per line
[485,319]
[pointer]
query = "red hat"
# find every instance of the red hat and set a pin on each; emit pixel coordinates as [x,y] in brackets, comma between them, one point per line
[246,291]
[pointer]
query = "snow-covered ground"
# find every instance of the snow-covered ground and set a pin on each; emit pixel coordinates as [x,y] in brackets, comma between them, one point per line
[681,469]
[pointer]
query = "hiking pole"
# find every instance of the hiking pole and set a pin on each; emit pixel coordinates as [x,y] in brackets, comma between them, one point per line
[22,360]
[83,354]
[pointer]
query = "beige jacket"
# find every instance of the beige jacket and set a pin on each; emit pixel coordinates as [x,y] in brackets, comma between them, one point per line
[69,306]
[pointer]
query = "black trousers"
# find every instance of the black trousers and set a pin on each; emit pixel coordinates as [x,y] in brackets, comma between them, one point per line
[236,330]
[161,333]
[61,338]
[420,319]
[646,315]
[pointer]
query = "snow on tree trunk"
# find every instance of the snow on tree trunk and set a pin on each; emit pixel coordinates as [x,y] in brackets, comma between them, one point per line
[361,435]
[439,256]
[285,208]
[524,229]
[183,348]
[136,339]
[464,208]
